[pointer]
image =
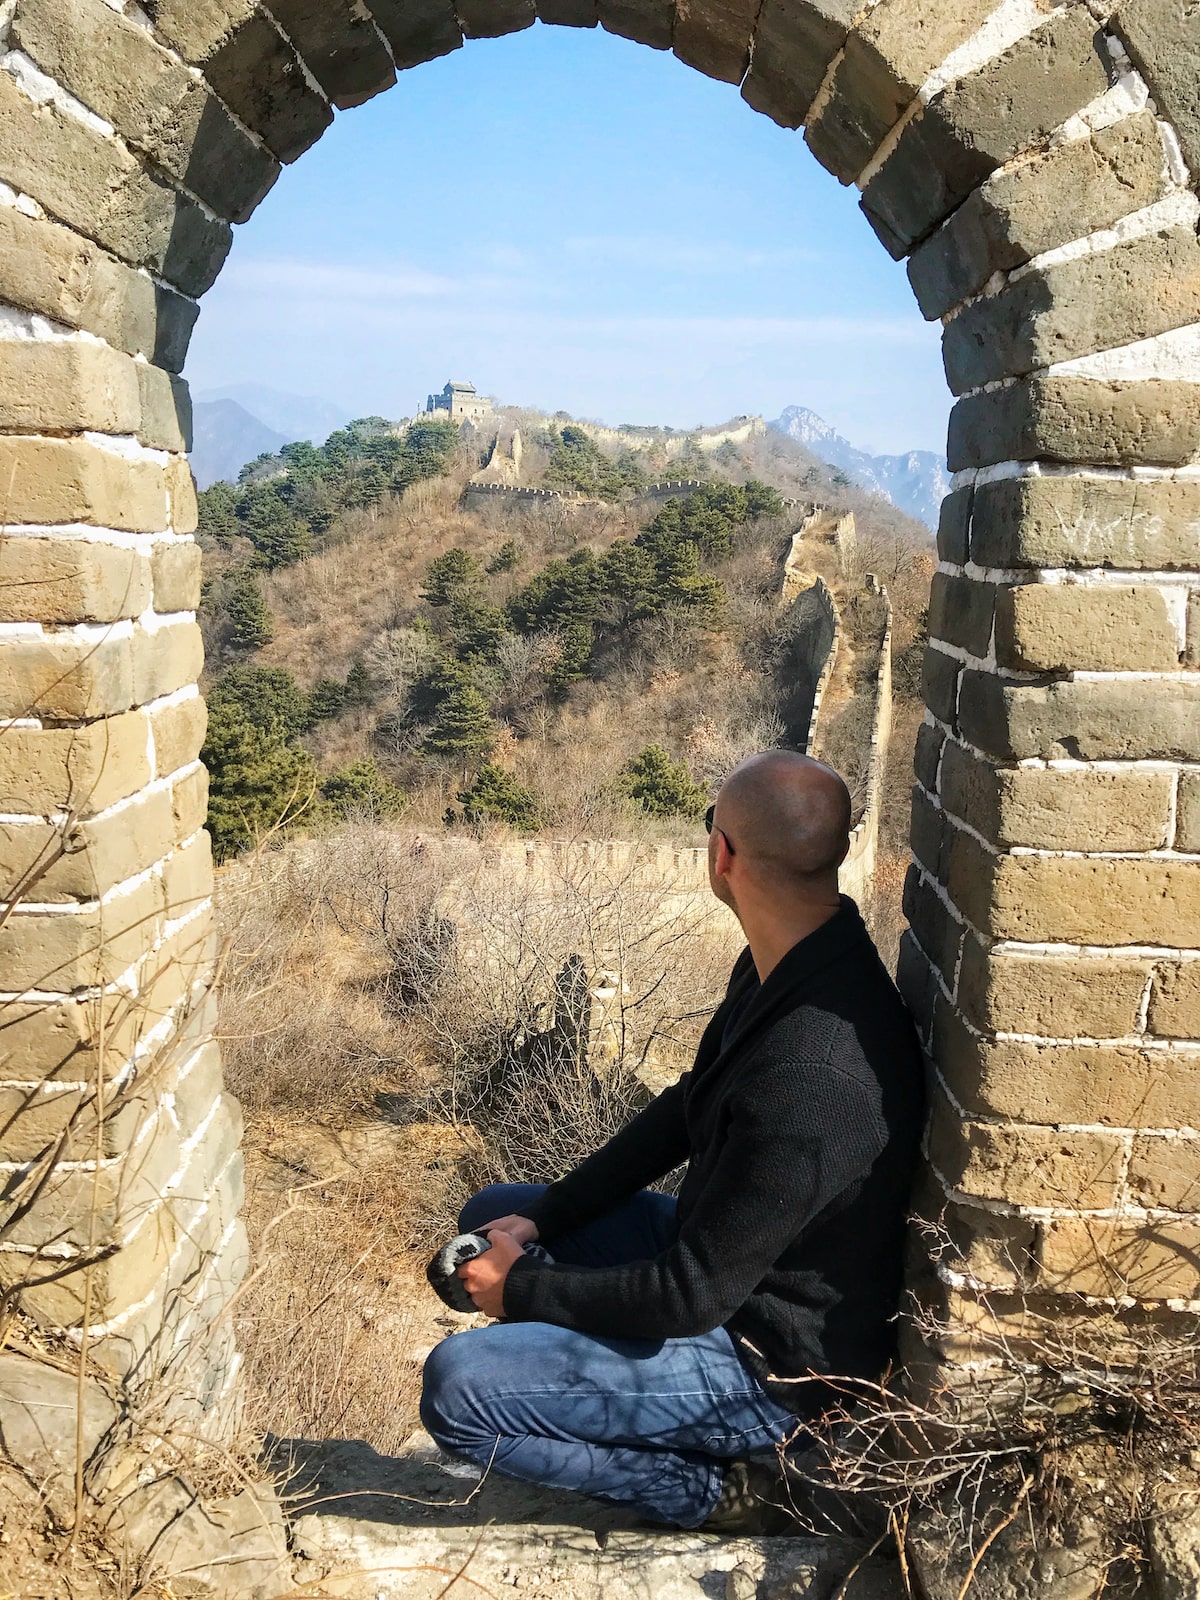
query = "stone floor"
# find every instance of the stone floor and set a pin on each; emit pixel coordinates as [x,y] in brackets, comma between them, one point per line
[373,1527]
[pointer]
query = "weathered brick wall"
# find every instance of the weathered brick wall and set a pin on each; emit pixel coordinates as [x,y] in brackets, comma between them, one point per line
[1036,166]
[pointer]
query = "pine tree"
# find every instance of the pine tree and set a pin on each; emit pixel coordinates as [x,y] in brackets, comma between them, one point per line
[359,689]
[362,790]
[496,796]
[462,727]
[258,781]
[248,612]
[663,787]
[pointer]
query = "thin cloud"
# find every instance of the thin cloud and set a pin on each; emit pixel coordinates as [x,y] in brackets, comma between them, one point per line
[681,255]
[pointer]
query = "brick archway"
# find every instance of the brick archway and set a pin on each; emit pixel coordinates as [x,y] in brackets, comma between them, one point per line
[1034,162]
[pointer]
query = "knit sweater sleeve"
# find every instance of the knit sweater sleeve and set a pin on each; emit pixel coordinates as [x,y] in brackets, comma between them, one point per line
[650,1145]
[799,1134]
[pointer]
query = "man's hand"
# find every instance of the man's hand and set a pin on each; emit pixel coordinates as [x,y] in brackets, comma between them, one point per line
[523,1229]
[484,1277]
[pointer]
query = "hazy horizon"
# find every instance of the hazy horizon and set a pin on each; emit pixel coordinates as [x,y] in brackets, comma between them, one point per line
[497,218]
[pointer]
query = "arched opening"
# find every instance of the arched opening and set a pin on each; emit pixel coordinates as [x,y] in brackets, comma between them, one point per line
[1037,169]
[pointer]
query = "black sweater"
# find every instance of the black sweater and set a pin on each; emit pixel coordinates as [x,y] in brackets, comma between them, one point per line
[800,1132]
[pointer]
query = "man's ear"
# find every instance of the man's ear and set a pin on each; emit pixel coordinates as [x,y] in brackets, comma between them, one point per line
[723,857]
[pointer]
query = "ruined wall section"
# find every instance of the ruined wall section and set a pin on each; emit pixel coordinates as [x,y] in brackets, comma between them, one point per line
[857,872]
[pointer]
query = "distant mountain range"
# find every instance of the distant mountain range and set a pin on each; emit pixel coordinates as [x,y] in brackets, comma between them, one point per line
[232,426]
[235,424]
[915,482]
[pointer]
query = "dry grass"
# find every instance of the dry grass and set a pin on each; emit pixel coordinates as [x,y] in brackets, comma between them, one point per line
[393,1021]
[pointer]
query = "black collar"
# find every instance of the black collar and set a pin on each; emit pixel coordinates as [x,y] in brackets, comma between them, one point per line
[787,986]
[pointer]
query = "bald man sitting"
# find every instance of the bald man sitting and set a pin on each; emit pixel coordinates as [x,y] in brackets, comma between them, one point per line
[655,1346]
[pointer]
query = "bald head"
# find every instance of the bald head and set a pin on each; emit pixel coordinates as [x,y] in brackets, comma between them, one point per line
[788,816]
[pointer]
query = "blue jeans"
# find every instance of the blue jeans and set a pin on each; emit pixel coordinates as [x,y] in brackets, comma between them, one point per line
[642,1422]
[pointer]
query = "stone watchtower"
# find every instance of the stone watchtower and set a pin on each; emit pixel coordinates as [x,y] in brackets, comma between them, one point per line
[460,402]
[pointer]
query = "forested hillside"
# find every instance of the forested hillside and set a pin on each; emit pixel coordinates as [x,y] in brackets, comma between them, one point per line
[570,666]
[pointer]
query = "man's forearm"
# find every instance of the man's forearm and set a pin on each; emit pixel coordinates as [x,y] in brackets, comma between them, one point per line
[648,1147]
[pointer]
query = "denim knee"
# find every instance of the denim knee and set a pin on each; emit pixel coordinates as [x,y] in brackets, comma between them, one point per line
[448,1410]
[483,1207]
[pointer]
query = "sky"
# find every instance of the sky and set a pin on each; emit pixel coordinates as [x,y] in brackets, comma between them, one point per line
[572,221]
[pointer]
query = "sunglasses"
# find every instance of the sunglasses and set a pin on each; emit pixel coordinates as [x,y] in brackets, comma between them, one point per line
[708,817]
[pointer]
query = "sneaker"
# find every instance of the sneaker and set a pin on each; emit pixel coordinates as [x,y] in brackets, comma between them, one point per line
[752,1503]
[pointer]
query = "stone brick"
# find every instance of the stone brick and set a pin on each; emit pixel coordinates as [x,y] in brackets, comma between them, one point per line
[95,855]
[189,797]
[1191,652]
[995,1250]
[715,36]
[178,732]
[1148,422]
[985,119]
[419,30]
[48,269]
[917,982]
[568,13]
[1120,1086]
[181,496]
[1082,627]
[954,522]
[1161,38]
[488,19]
[178,971]
[166,410]
[117,69]
[99,189]
[1165,1173]
[1187,813]
[1020,212]
[1175,1003]
[1157,1261]
[188,877]
[1112,719]
[1138,289]
[888,56]
[123,1193]
[165,659]
[1024,1165]
[939,684]
[71,580]
[927,755]
[53,1041]
[1060,997]
[61,951]
[926,831]
[1056,809]
[65,386]
[70,480]
[646,21]
[251,66]
[1076,900]
[199,1086]
[794,42]
[1086,522]
[177,572]
[960,612]
[65,675]
[79,769]
[938,934]
[340,47]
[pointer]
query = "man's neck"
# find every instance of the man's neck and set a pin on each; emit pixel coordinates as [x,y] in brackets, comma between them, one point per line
[771,935]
